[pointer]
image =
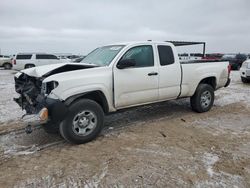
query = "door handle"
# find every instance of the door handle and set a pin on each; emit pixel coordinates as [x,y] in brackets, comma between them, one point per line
[152,73]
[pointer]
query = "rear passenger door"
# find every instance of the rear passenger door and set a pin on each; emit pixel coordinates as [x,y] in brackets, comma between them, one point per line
[46,59]
[169,73]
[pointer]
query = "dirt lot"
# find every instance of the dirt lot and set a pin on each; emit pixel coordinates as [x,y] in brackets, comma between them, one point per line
[162,145]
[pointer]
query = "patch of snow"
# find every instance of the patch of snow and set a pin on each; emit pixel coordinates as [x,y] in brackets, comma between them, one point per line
[209,160]
[222,180]
[218,179]
[97,178]
[234,93]
[20,150]
[9,148]
[9,110]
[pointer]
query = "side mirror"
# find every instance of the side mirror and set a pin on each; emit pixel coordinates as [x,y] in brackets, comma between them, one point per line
[125,63]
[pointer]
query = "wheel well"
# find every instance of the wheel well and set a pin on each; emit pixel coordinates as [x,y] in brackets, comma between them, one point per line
[210,81]
[96,96]
[7,63]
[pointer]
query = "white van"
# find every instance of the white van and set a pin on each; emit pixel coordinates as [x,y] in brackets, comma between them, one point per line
[28,60]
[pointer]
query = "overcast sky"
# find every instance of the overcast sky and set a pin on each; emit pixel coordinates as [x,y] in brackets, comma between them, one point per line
[78,26]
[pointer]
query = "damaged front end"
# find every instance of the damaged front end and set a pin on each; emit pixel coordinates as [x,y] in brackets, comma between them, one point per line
[30,89]
[33,99]
[35,94]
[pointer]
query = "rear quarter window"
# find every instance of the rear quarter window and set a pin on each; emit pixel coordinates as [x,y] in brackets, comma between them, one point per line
[166,55]
[23,56]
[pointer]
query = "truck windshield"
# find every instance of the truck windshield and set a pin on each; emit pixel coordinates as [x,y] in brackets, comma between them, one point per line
[102,56]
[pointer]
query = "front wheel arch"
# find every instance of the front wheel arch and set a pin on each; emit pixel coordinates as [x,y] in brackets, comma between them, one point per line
[97,96]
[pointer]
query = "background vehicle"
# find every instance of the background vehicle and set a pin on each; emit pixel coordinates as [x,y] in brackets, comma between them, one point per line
[245,72]
[214,56]
[28,60]
[192,56]
[235,60]
[64,59]
[74,97]
[78,60]
[5,61]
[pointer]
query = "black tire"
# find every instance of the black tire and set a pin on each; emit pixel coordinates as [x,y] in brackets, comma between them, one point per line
[70,133]
[7,66]
[245,80]
[51,128]
[27,66]
[198,103]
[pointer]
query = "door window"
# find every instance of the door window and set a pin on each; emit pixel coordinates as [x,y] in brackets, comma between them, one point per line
[142,55]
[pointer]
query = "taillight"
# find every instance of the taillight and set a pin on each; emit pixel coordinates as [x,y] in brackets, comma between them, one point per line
[229,68]
[14,62]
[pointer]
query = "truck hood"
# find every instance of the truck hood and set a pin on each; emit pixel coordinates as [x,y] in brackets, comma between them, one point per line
[48,70]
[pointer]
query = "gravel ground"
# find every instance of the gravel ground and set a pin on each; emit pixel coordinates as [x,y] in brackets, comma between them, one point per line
[161,145]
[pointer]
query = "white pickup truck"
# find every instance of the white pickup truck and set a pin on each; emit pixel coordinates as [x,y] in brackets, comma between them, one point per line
[73,98]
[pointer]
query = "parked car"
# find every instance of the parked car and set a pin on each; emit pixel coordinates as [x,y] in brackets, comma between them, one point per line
[72,57]
[64,59]
[214,56]
[235,60]
[73,98]
[78,60]
[28,60]
[245,72]
[5,61]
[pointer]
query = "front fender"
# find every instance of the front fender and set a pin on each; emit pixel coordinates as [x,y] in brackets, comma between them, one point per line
[70,94]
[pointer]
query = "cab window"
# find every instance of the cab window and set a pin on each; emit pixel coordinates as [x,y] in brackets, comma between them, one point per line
[142,55]
[166,55]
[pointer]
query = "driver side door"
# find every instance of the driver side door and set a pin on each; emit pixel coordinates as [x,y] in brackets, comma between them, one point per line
[137,84]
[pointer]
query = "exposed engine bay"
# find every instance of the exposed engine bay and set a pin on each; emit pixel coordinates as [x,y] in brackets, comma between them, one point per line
[33,92]
[29,88]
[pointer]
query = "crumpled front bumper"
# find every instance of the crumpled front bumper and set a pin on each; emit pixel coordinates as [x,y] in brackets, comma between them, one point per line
[49,110]
[57,110]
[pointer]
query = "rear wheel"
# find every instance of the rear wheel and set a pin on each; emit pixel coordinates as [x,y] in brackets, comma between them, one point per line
[29,66]
[7,66]
[203,99]
[245,80]
[83,123]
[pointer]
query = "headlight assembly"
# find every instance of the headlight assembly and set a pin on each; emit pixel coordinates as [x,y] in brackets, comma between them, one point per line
[47,87]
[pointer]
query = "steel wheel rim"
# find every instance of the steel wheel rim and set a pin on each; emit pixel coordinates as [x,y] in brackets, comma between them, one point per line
[206,99]
[84,123]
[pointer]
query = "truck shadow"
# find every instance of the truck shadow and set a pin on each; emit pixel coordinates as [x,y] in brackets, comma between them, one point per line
[168,109]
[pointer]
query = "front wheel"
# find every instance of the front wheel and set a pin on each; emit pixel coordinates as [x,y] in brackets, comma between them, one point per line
[83,123]
[203,99]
